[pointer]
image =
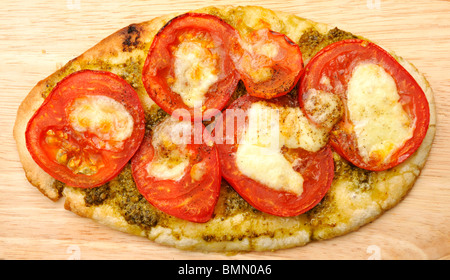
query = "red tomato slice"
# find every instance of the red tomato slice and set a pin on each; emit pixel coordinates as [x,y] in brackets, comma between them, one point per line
[316,168]
[177,172]
[336,64]
[271,64]
[87,129]
[189,65]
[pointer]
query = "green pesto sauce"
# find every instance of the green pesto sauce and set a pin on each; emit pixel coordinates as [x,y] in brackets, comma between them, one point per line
[312,41]
[122,194]
[361,179]
[130,71]
[154,116]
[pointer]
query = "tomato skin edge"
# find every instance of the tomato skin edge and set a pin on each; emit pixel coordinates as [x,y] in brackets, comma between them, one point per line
[188,200]
[318,175]
[54,169]
[418,111]
[254,89]
[170,101]
[283,211]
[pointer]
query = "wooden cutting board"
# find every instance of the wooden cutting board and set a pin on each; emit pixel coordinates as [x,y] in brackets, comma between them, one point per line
[38,37]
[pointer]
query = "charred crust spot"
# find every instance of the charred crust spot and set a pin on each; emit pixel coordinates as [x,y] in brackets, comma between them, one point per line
[131,29]
[132,36]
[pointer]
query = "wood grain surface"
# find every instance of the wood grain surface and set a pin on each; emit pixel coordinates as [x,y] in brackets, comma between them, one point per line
[38,37]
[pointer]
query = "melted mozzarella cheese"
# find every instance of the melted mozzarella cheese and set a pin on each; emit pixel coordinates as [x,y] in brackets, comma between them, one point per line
[198,170]
[323,107]
[380,122]
[170,157]
[259,155]
[274,126]
[268,49]
[259,53]
[103,116]
[269,167]
[298,132]
[195,72]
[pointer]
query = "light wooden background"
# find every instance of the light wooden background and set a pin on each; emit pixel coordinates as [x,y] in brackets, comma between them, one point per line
[37,37]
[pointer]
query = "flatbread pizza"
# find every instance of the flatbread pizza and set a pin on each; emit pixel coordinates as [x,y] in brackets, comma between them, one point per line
[229,129]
